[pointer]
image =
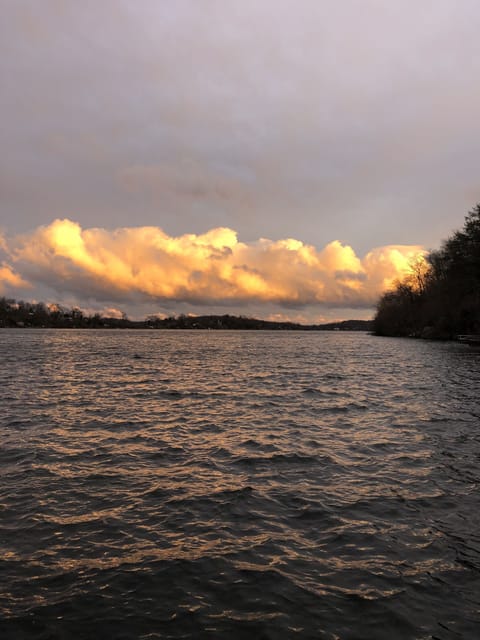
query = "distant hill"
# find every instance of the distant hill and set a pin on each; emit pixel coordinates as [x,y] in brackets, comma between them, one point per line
[30,315]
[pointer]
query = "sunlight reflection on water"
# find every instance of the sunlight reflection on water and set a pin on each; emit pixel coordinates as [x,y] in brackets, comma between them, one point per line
[255,484]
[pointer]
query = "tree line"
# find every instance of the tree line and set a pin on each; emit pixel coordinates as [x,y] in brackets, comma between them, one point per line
[40,315]
[441,297]
[15,313]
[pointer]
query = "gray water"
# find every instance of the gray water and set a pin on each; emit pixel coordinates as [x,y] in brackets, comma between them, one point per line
[216,484]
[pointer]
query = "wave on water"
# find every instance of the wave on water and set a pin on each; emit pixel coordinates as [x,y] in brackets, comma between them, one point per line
[245,485]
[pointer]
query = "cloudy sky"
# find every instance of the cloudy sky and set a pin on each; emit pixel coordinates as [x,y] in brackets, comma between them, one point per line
[277,158]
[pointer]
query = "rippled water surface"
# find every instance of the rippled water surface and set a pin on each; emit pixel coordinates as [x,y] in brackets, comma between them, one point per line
[260,485]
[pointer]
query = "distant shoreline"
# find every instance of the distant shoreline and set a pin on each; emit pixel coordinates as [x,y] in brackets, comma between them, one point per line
[25,315]
[145,328]
[218,323]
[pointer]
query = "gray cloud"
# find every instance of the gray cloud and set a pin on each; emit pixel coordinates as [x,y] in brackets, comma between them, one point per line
[315,119]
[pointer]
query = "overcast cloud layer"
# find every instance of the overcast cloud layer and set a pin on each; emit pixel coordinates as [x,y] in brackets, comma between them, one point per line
[353,121]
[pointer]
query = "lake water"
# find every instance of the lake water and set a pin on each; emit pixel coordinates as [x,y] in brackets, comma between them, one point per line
[265,485]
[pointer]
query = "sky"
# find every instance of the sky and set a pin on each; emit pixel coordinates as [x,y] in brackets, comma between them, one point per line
[283,159]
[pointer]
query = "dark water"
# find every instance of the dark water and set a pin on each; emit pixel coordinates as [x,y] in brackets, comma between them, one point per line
[238,485]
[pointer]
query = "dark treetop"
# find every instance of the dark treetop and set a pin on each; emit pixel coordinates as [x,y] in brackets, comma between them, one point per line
[442,298]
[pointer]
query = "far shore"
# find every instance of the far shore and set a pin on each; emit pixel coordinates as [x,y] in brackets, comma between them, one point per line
[31,317]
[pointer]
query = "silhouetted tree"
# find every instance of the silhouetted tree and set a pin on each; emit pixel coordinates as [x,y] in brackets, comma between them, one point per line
[444,300]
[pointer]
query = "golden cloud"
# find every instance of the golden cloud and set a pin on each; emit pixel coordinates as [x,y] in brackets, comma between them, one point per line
[207,268]
[9,279]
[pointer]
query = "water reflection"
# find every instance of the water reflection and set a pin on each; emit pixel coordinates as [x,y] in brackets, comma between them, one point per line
[263,483]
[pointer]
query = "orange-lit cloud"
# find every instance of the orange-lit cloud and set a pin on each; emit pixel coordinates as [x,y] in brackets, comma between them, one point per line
[9,279]
[145,262]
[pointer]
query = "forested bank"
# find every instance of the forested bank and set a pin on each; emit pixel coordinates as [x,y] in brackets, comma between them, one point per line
[441,298]
[22,314]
